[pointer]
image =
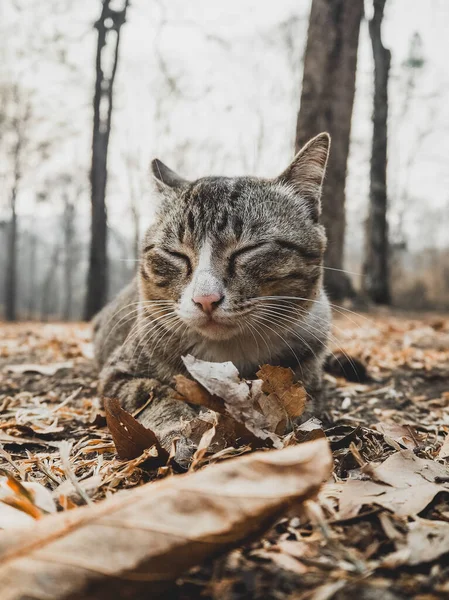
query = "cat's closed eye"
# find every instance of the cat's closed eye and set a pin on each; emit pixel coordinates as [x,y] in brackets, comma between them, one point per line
[245,252]
[166,262]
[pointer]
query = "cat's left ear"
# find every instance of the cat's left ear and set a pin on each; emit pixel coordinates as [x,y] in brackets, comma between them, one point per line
[166,178]
[306,173]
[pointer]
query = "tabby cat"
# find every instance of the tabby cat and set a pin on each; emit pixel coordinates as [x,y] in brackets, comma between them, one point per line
[230,270]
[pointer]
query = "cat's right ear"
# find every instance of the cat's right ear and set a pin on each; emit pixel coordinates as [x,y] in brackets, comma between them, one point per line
[165,178]
[306,173]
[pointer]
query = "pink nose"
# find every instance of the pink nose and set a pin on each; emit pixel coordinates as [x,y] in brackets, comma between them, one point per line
[208,303]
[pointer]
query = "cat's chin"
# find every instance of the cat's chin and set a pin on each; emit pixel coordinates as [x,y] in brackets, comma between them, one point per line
[213,330]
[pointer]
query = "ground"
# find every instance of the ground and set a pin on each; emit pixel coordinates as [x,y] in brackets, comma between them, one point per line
[401,411]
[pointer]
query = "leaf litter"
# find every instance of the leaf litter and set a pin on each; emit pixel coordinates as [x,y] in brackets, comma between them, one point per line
[380,523]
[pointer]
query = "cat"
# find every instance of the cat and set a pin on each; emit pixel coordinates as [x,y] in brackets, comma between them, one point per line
[230,270]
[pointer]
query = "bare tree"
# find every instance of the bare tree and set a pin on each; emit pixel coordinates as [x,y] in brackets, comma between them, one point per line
[68,219]
[19,123]
[108,26]
[376,280]
[326,105]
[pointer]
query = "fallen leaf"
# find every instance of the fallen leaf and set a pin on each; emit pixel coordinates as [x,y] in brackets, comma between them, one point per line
[196,394]
[444,450]
[424,542]
[130,437]
[280,382]
[155,532]
[203,446]
[309,430]
[29,498]
[48,370]
[222,380]
[403,434]
[404,484]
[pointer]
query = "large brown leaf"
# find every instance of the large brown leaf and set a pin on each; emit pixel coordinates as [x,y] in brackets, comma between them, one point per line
[153,533]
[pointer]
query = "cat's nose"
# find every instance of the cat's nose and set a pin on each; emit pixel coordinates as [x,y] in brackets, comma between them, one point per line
[208,303]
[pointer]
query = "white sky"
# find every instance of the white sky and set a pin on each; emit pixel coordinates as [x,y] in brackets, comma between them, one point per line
[236,68]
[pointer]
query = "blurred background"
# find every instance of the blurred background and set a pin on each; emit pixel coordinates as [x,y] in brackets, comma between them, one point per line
[91,91]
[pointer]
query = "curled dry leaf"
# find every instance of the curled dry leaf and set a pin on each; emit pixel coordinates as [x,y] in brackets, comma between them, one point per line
[243,400]
[155,532]
[404,484]
[130,437]
[279,381]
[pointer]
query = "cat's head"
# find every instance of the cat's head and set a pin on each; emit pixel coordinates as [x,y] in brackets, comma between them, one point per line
[221,244]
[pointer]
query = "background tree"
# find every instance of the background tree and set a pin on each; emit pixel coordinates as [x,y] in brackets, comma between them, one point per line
[108,26]
[18,130]
[376,280]
[326,105]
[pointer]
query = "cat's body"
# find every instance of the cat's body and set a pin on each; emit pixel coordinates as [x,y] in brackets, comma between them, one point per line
[230,271]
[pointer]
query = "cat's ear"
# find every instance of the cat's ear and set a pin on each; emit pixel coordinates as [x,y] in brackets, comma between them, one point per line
[165,177]
[306,172]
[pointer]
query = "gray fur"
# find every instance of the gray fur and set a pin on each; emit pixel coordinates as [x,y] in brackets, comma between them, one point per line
[246,238]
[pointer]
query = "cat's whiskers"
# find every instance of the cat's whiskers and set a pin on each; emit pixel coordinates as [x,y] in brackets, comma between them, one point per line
[253,325]
[144,328]
[339,309]
[242,331]
[176,352]
[290,327]
[139,326]
[261,320]
[276,318]
[325,331]
[153,329]
[134,311]
[333,338]
[167,330]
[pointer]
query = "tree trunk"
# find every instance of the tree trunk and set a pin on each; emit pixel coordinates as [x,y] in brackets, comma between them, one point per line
[11,266]
[326,105]
[48,308]
[32,271]
[376,281]
[97,281]
[68,226]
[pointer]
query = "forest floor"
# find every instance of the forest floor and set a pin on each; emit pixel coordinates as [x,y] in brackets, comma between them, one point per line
[383,529]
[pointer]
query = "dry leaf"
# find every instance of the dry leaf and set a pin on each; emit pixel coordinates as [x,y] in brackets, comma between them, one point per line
[403,483]
[403,434]
[48,370]
[155,532]
[130,437]
[31,499]
[312,429]
[196,394]
[280,382]
[203,446]
[424,542]
[222,380]
[444,450]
